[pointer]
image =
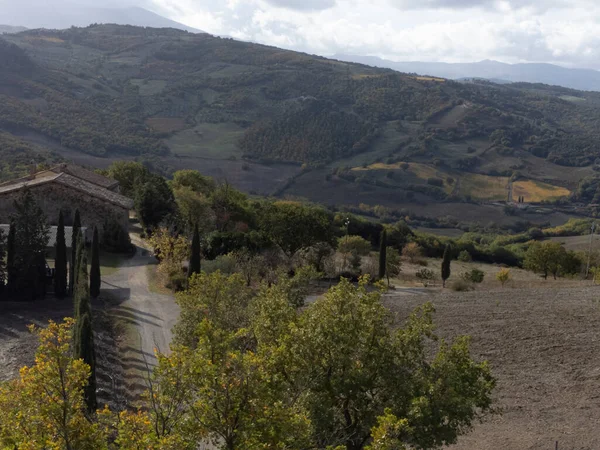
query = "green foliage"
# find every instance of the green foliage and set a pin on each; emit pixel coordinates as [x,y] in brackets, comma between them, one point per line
[154,201]
[95,277]
[465,256]
[393,263]
[350,245]
[84,350]
[3,273]
[294,226]
[129,174]
[115,238]
[193,180]
[426,276]
[60,263]
[27,263]
[545,258]
[195,257]
[474,276]
[446,260]
[383,255]
[74,245]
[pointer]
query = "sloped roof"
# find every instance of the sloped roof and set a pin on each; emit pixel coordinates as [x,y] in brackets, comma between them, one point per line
[69,181]
[86,175]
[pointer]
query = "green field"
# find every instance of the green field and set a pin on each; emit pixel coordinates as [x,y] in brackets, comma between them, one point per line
[207,140]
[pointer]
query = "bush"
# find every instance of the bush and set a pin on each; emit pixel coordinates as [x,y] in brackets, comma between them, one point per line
[465,256]
[474,276]
[225,263]
[461,286]
[177,280]
[438,182]
[426,276]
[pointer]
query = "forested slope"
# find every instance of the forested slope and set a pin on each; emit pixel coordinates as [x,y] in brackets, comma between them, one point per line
[119,90]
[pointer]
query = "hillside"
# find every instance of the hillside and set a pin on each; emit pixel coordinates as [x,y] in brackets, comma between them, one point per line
[253,114]
[574,78]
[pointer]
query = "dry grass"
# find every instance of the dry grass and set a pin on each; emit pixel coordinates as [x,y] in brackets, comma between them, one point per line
[537,191]
[421,78]
[484,187]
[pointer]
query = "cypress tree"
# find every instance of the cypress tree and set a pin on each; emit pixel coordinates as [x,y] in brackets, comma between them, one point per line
[85,351]
[74,237]
[95,277]
[382,254]
[10,257]
[446,265]
[79,267]
[60,265]
[195,259]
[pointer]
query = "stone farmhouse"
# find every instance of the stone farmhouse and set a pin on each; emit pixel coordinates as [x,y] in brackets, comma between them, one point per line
[70,188]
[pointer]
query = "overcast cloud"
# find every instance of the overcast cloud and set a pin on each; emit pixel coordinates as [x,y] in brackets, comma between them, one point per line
[565,32]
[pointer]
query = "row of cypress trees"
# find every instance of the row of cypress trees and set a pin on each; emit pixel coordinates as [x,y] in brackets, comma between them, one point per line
[83,288]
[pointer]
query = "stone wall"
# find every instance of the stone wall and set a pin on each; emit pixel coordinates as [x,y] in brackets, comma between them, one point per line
[54,197]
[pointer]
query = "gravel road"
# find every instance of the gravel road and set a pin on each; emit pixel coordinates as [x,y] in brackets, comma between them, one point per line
[152,315]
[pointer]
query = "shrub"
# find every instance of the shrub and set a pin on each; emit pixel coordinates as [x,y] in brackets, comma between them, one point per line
[225,263]
[435,182]
[177,280]
[503,276]
[474,276]
[465,256]
[426,276]
[412,251]
[461,286]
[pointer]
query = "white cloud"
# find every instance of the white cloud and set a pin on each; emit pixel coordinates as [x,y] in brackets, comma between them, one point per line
[428,30]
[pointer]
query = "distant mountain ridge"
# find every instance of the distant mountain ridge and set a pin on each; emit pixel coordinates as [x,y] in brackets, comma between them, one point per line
[36,14]
[11,29]
[581,79]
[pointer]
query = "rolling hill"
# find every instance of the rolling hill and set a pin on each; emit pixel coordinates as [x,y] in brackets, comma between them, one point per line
[279,122]
[584,79]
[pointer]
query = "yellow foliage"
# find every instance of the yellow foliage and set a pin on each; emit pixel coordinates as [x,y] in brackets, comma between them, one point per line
[537,191]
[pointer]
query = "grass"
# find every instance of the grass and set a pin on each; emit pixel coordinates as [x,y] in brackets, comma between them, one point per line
[166,124]
[422,78]
[149,87]
[484,187]
[537,191]
[208,140]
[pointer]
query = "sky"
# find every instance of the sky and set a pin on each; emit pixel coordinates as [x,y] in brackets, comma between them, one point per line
[564,32]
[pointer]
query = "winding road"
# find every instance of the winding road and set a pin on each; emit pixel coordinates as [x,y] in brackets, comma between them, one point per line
[150,315]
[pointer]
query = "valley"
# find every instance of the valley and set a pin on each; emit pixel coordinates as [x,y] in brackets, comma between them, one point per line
[276,122]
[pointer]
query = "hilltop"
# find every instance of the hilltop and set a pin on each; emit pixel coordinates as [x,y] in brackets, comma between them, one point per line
[279,122]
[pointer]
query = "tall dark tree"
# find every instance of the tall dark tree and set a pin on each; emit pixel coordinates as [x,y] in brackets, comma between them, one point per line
[2,258]
[10,257]
[382,254]
[31,233]
[86,352]
[83,339]
[195,259]
[74,237]
[79,267]
[446,264]
[95,278]
[60,266]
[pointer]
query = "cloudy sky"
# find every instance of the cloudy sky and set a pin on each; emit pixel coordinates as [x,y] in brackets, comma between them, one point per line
[566,32]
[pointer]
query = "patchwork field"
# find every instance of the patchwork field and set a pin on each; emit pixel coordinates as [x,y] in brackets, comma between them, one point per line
[536,191]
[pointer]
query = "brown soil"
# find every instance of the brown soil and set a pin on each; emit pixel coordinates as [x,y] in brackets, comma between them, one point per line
[543,345]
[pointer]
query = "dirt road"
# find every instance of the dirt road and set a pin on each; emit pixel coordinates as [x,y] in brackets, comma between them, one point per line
[152,316]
